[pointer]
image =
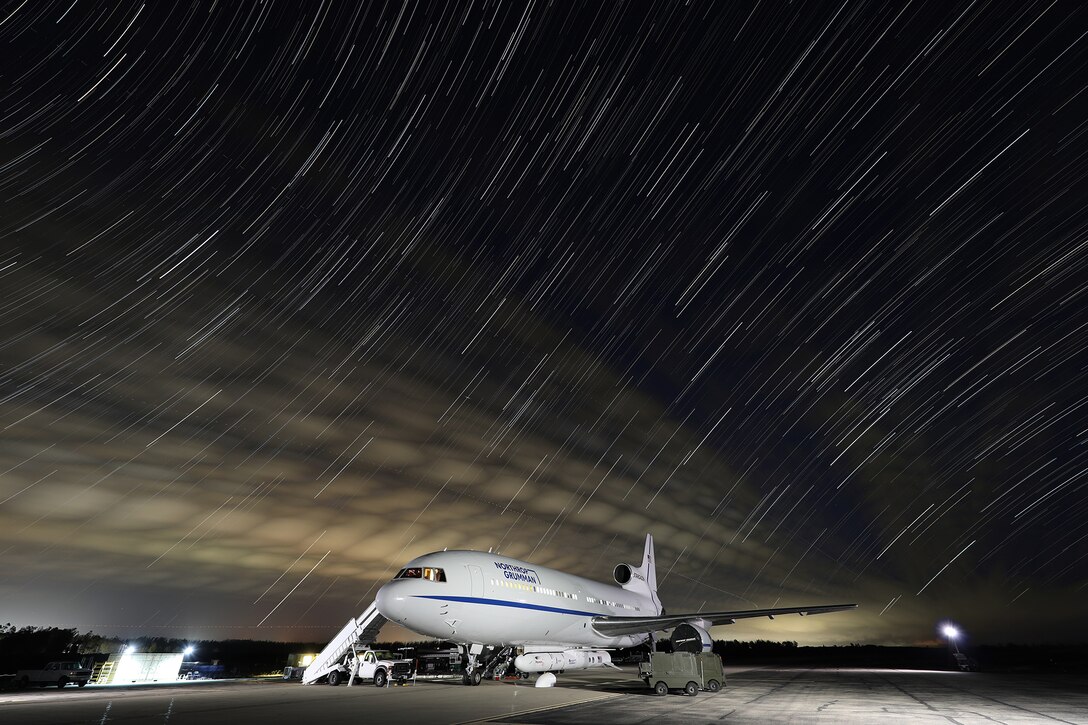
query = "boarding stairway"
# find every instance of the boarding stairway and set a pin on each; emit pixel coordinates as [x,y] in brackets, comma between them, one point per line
[103,672]
[361,629]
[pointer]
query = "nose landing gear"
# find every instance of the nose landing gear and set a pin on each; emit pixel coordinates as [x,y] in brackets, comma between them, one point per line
[473,672]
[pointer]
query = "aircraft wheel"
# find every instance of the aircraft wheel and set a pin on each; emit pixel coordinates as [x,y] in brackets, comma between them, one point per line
[713,686]
[477,677]
[380,678]
[334,677]
[661,688]
[691,689]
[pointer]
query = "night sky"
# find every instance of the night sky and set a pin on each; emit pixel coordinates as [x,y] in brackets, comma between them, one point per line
[293,292]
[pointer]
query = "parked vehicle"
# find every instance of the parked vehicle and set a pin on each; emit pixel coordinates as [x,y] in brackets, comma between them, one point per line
[365,664]
[55,673]
[381,667]
[685,671]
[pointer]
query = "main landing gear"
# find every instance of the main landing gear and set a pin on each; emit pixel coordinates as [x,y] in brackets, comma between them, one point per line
[478,664]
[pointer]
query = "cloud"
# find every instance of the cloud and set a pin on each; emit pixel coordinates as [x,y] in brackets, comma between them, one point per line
[222,470]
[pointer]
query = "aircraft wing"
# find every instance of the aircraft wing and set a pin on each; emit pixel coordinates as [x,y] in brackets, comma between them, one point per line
[618,625]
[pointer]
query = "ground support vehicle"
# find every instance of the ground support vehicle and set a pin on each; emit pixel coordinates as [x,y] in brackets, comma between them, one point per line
[345,658]
[293,673]
[685,671]
[380,667]
[383,668]
[55,673]
[445,664]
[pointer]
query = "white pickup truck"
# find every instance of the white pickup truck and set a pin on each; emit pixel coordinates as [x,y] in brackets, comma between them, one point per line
[377,665]
[55,673]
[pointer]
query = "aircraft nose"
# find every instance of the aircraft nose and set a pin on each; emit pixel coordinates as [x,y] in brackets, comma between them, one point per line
[387,602]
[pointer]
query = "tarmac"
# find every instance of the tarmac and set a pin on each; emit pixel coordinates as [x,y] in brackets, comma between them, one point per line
[757,695]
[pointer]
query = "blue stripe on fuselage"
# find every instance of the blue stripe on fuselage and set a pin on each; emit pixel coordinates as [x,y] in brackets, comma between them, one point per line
[515,605]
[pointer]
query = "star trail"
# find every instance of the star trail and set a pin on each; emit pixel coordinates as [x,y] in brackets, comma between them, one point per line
[293,292]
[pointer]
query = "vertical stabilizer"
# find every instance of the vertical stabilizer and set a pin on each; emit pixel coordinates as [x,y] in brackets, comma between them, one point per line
[643,579]
[649,567]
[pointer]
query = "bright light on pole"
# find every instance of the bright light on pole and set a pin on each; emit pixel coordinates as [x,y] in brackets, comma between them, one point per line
[188,650]
[951,633]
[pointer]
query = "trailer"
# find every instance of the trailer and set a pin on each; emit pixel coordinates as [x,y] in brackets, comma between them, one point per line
[444,664]
[685,671]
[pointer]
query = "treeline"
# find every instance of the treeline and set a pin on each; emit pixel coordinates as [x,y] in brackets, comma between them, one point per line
[986,658]
[735,649]
[30,646]
[22,647]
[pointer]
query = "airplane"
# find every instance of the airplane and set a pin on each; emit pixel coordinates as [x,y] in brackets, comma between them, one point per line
[558,621]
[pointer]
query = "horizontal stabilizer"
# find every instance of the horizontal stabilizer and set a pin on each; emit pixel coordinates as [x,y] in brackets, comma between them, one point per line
[615,626]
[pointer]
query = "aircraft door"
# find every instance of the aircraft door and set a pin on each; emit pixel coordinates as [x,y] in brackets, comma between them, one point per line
[476,577]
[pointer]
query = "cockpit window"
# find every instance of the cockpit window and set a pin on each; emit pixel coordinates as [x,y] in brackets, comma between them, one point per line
[426,572]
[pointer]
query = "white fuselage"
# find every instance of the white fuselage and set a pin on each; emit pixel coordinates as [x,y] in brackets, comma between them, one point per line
[496,600]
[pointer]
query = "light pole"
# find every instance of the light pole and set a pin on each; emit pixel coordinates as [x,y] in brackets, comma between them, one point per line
[951,633]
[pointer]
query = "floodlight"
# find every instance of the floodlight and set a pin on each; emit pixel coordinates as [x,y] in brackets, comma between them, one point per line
[130,649]
[188,650]
[949,631]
